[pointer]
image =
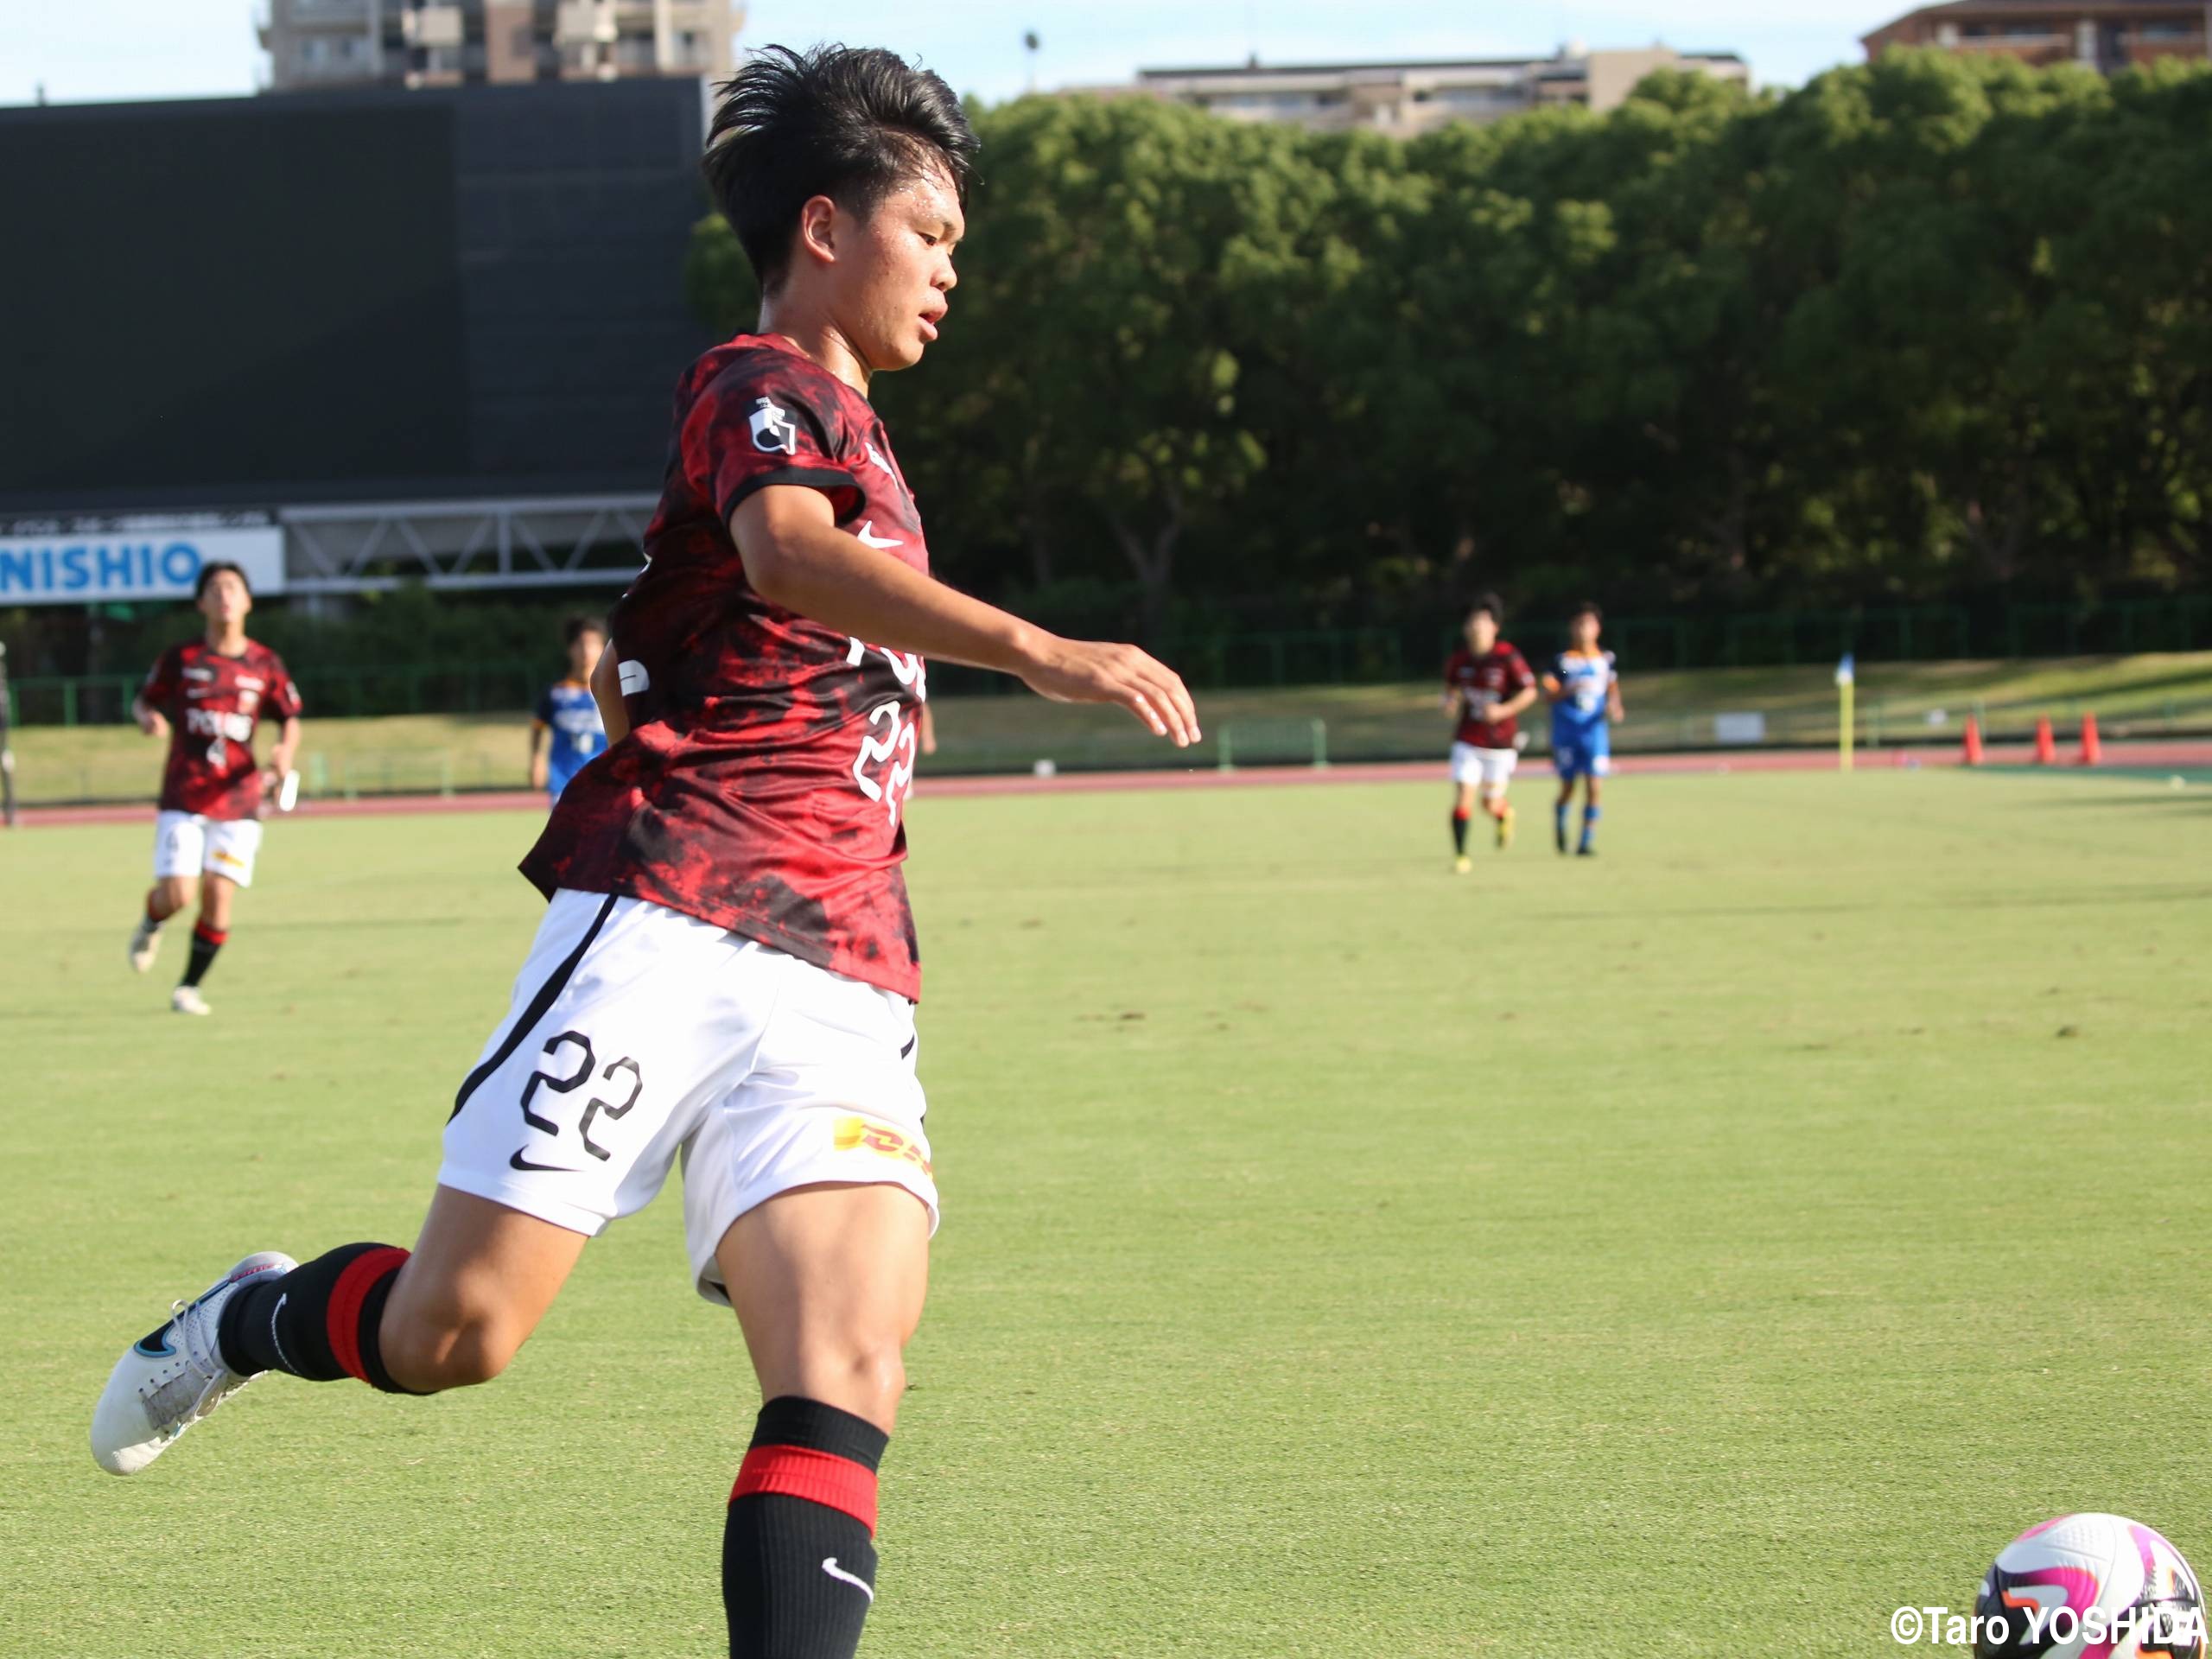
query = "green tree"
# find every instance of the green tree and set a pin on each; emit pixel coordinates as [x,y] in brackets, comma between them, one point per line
[1925,327]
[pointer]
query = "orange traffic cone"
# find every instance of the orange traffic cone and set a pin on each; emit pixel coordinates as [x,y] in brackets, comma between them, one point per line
[2092,752]
[2046,750]
[1973,757]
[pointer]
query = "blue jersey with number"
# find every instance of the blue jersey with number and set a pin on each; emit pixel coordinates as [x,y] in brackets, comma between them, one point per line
[1586,682]
[568,711]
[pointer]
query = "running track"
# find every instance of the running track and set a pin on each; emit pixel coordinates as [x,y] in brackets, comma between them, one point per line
[2183,753]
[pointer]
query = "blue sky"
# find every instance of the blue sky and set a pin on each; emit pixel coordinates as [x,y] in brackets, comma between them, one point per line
[92,50]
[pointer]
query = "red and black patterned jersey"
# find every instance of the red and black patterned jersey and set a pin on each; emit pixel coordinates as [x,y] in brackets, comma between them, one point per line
[1482,684]
[768,757]
[213,703]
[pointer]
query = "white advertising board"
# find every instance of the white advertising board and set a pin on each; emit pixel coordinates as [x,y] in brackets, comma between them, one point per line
[132,560]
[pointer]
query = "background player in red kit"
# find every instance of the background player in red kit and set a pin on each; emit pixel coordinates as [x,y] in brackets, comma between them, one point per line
[208,698]
[1487,683]
[726,968]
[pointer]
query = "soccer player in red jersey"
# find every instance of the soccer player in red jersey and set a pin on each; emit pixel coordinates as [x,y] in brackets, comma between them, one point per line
[727,969]
[1486,685]
[208,698]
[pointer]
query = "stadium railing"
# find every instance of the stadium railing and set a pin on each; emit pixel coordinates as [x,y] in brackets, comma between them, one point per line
[122,768]
[1273,742]
[1374,655]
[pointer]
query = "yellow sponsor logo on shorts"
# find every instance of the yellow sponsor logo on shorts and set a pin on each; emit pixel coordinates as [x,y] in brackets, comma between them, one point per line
[230,859]
[854,1134]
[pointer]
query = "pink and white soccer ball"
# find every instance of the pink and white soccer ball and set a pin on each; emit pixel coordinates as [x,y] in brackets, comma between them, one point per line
[2090,1586]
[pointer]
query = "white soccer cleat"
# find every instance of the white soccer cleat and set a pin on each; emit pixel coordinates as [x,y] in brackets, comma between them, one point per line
[167,1382]
[186,1000]
[146,944]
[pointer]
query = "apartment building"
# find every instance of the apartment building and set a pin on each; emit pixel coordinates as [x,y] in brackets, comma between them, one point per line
[316,44]
[2105,34]
[1403,98]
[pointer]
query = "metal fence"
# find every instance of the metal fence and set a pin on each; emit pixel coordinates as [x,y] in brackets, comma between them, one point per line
[1916,633]
[401,689]
[1359,656]
[73,771]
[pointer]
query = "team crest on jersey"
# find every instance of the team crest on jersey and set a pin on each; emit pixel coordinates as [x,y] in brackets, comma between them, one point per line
[773,431]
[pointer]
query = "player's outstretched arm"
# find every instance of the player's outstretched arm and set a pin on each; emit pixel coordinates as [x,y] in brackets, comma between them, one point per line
[288,746]
[1514,704]
[796,557]
[606,692]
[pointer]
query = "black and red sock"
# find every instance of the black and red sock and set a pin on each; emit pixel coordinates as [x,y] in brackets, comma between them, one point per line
[206,942]
[799,1551]
[1460,816]
[320,1321]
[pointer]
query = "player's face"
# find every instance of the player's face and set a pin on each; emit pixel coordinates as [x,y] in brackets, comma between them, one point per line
[892,285]
[1583,631]
[1482,632]
[583,652]
[226,600]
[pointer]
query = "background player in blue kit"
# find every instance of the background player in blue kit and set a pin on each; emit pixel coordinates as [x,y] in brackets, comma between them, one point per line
[568,731]
[1585,692]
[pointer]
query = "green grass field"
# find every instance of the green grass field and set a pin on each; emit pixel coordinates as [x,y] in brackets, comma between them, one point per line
[2143,695]
[1700,1250]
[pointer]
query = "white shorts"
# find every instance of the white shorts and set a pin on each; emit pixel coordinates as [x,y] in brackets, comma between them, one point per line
[1489,767]
[639,1034]
[185,843]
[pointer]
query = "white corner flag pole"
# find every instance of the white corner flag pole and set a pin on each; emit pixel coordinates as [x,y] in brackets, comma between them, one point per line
[1845,676]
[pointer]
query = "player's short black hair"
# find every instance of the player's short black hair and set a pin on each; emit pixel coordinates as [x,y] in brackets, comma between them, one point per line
[1588,607]
[852,123]
[1489,602]
[576,627]
[208,573]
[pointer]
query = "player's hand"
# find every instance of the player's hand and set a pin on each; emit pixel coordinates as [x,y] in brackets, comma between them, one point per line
[153,723]
[1084,670]
[538,772]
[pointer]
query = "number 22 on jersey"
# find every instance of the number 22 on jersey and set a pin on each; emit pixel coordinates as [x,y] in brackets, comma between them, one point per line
[892,749]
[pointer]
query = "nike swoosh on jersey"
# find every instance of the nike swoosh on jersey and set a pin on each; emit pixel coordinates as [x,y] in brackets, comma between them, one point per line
[830,1566]
[868,539]
[517,1161]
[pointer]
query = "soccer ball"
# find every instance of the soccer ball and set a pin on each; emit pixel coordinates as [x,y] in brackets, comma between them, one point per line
[2086,1585]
